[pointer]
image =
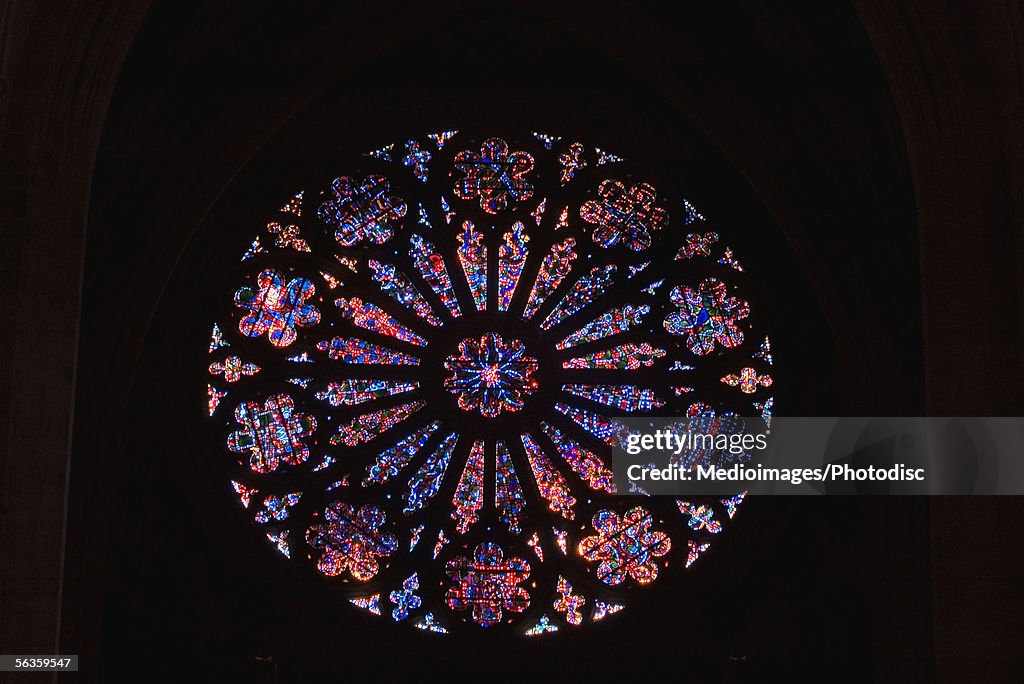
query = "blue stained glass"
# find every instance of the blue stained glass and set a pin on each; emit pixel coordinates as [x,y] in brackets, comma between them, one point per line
[508,493]
[392,460]
[423,486]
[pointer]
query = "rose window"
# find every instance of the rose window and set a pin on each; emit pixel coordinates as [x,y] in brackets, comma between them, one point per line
[423,363]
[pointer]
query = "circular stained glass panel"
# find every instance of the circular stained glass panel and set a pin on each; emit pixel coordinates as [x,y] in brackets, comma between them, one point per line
[422,365]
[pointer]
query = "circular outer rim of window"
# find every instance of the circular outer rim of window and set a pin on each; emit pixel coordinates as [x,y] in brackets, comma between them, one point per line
[421,366]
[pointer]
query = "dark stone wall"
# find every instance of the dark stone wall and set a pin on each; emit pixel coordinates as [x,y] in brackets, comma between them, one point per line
[59,63]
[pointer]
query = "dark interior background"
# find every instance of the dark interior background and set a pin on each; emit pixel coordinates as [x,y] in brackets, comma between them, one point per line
[865,156]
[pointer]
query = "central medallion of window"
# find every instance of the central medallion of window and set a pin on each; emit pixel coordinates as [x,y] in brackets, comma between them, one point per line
[491,374]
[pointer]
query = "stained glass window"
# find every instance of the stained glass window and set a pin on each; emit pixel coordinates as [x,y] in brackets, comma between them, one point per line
[420,369]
